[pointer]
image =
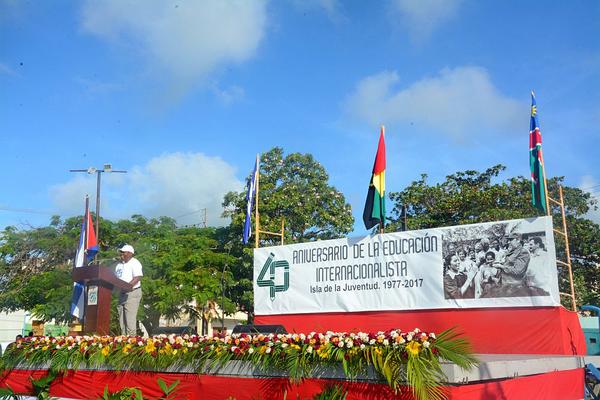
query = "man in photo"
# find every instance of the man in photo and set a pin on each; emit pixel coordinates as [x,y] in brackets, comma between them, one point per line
[538,275]
[514,269]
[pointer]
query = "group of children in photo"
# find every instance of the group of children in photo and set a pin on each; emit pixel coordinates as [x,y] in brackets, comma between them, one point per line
[508,266]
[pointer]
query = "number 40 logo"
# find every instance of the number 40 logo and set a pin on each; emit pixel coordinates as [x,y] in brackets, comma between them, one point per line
[271,267]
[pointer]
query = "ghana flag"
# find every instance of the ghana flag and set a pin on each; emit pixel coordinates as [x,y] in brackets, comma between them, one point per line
[374,212]
[536,161]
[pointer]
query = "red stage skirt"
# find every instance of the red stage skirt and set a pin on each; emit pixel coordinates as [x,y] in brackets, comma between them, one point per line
[539,330]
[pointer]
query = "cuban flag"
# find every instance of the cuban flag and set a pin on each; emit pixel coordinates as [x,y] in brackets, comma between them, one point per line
[250,197]
[88,247]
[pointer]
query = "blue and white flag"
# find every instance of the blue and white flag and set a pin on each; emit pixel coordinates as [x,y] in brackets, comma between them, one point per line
[87,249]
[250,197]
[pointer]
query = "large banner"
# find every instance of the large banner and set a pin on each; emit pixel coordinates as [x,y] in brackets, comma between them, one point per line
[498,264]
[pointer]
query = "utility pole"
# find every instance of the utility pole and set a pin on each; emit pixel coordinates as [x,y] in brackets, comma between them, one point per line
[92,170]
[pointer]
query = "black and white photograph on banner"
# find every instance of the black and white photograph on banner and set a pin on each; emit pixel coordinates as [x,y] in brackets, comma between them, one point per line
[494,261]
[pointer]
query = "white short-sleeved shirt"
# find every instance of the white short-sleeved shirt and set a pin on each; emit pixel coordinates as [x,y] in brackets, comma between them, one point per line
[127,271]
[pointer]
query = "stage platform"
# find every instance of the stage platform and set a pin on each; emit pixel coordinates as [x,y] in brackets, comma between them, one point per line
[497,376]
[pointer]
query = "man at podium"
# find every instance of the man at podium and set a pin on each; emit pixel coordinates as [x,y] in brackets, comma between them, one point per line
[130,271]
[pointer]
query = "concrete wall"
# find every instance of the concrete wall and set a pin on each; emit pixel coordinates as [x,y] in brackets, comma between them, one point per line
[12,325]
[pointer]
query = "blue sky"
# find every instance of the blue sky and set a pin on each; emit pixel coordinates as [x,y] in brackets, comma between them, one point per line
[183,94]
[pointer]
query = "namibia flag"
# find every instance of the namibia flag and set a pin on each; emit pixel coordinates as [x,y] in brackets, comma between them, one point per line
[374,212]
[536,161]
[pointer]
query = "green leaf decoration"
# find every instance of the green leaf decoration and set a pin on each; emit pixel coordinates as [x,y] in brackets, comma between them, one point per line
[404,360]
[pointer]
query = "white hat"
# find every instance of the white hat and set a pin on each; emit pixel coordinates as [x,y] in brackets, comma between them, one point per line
[127,249]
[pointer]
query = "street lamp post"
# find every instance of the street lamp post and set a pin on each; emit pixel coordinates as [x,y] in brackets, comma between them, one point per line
[92,170]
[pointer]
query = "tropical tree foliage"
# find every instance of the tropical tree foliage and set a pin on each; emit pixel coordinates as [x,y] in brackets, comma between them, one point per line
[471,197]
[183,267]
[293,189]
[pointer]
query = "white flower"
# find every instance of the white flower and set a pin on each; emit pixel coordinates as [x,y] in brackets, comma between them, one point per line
[284,345]
[250,350]
[362,346]
[386,342]
[349,344]
[268,350]
[426,344]
[432,335]
[340,344]
[309,349]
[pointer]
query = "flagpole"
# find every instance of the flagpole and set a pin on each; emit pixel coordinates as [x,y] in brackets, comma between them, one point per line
[85,228]
[548,212]
[256,214]
[382,199]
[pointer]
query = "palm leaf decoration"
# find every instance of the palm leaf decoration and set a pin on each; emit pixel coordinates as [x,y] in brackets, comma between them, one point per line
[404,360]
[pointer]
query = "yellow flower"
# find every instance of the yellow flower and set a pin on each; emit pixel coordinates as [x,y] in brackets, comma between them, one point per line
[105,351]
[413,348]
[323,353]
[150,346]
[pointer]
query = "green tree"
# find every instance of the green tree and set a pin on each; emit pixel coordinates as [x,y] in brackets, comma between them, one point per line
[294,189]
[35,267]
[471,197]
[183,267]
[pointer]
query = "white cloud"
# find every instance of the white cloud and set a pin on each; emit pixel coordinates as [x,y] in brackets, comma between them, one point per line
[589,184]
[422,17]
[459,102]
[178,185]
[184,41]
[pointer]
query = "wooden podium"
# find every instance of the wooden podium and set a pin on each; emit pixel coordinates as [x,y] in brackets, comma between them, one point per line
[99,282]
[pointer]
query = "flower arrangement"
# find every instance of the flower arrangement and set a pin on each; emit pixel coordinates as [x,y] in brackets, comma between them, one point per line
[401,358]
